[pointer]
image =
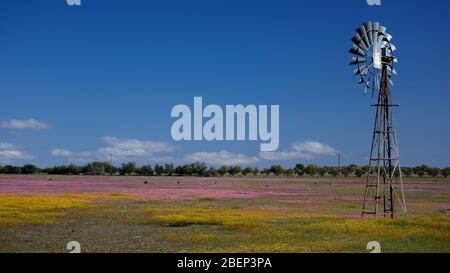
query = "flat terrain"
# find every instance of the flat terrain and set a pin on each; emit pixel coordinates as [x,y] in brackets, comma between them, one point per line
[170,214]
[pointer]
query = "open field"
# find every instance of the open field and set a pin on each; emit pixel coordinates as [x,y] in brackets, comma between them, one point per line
[170,214]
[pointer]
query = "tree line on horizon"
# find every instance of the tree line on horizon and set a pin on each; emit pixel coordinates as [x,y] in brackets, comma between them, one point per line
[201,169]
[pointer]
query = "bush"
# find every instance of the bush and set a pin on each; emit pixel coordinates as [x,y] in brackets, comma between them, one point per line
[29,169]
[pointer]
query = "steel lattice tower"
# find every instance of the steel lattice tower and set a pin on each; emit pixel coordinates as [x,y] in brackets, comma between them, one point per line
[384,186]
[374,61]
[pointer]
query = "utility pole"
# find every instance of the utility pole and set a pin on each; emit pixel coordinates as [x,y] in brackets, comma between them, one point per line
[110,164]
[339,164]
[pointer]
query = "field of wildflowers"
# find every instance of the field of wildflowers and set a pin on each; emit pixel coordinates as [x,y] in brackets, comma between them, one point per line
[169,214]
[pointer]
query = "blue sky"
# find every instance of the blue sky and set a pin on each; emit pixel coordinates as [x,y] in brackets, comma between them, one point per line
[104,76]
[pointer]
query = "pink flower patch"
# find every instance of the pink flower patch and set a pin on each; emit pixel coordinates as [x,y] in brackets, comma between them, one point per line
[156,189]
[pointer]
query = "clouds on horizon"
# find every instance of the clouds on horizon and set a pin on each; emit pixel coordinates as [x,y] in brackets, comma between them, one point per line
[221,158]
[134,147]
[121,149]
[20,124]
[128,149]
[10,152]
[74,156]
[302,150]
[307,150]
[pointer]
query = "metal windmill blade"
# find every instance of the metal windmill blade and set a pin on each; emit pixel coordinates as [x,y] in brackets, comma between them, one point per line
[359,42]
[368,27]
[357,50]
[357,60]
[375,29]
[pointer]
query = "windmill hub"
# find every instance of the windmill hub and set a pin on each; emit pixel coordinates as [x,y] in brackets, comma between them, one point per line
[377,59]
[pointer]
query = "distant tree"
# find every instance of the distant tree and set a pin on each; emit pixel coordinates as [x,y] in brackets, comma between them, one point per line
[169,169]
[86,169]
[289,172]
[62,169]
[128,168]
[311,170]
[186,170]
[159,170]
[178,171]
[74,169]
[333,172]
[327,169]
[246,171]
[348,170]
[9,169]
[277,169]
[94,168]
[256,171]
[365,169]
[359,172]
[446,172]
[199,168]
[29,169]
[323,171]
[407,171]
[299,169]
[146,170]
[234,170]
[352,168]
[421,170]
[223,170]
[110,169]
[237,169]
[433,172]
[211,172]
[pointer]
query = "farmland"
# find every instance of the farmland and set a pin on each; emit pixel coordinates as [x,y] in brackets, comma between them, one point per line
[41,213]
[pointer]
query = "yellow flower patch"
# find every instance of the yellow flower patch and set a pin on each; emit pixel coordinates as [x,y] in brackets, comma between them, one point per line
[226,217]
[24,209]
[409,227]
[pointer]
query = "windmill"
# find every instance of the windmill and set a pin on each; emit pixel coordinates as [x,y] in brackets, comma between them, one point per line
[374,65]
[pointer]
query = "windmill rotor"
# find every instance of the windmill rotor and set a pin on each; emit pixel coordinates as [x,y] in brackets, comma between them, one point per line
[372,49]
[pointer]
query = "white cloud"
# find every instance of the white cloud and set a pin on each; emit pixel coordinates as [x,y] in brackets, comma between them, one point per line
[61,152]
[160,159]
[73,156]
[11,152]
[284,155]
[301,150]
[134,147]
[24,124]
[221,158]
[121,150]
[314,147]
[7,146]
